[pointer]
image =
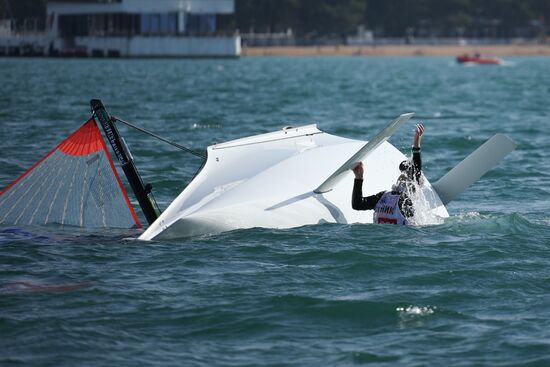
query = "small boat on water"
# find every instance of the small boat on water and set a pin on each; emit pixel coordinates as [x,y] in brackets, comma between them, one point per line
[478,60]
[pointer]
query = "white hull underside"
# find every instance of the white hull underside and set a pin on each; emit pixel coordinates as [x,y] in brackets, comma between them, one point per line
[268,181]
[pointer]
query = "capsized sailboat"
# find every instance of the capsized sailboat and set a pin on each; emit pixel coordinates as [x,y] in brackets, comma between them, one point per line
[300,176]
[288,178]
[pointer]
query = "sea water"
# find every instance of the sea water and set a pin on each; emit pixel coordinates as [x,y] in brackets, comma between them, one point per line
[472,290]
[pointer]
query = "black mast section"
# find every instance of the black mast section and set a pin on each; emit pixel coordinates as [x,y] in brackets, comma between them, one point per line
[124,157]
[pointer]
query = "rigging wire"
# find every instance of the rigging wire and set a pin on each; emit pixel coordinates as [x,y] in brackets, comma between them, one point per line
[161,138]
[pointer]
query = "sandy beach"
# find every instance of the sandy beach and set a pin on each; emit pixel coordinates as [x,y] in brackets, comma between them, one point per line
[400,50]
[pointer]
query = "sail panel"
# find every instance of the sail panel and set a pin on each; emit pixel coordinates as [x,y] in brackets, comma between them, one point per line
[75,184]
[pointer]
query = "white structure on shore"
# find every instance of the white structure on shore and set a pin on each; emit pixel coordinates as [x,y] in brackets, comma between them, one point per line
[138,28]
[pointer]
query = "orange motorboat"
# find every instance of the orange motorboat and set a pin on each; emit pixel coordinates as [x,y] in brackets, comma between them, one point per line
[477,59]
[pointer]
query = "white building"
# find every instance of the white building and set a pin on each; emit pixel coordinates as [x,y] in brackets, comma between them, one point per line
[140,28]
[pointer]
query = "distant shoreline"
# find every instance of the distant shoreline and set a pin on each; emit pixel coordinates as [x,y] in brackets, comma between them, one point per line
[398,50]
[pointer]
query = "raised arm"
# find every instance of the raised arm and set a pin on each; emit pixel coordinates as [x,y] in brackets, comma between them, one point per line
[416,159]
[418,132]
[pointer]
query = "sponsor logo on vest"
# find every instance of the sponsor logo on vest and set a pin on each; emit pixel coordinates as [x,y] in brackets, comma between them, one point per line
[386,209]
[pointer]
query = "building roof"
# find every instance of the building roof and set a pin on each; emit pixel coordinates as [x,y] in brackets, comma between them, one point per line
[140,6]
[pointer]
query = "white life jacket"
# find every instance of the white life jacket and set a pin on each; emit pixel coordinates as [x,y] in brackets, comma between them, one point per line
[387,209]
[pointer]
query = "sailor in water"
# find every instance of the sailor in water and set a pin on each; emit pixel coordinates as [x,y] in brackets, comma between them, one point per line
[394,206]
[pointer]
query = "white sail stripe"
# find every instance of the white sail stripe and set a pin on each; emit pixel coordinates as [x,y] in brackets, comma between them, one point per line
[55,196]
[68,196]
[47,172]
[57,174]
[83,195]
[8,194]
[20,184]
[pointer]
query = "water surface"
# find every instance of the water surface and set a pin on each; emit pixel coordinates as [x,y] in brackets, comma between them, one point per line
[471,291]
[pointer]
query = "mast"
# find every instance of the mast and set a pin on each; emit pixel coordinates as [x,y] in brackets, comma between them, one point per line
[122,152]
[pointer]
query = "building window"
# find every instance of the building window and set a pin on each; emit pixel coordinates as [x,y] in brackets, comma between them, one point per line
[73,25]
[159,23]
[201,24]
[110,25]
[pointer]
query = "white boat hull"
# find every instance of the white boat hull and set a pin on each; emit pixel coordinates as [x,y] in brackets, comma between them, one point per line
[268,181]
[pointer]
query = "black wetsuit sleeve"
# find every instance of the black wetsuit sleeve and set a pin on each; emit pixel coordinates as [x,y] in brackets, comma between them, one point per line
[358,202]
[417,164]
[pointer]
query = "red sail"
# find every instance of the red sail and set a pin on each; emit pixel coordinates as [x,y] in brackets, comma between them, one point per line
[75,184]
